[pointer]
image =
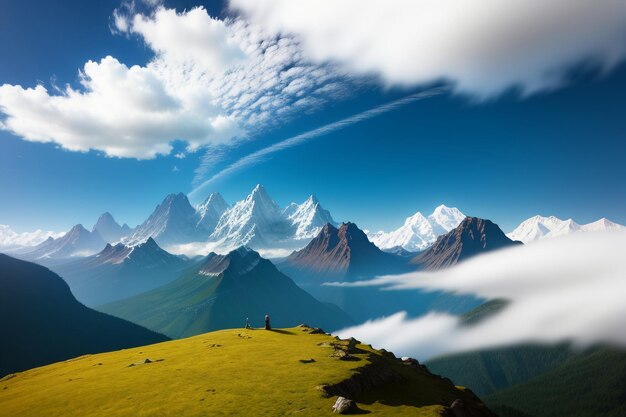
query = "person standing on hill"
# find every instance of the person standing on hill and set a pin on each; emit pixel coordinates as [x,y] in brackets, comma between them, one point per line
[267,322]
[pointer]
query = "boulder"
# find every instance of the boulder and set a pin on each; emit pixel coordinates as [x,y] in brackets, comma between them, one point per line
[343,405]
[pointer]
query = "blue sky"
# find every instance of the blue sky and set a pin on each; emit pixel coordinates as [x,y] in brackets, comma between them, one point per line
[559,151]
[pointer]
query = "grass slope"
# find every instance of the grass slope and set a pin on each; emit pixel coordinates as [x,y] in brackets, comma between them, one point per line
[229,372]
[42,322]
[590,385]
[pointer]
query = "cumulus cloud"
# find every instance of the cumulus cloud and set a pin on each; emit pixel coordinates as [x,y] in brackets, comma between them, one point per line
[481,47]
[9,239]
[122,111]
[211,82]
[564,289]
[191,38]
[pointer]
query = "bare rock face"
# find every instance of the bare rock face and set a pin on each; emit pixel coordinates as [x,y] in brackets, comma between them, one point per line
[472,237]
[343,405]
[343,254]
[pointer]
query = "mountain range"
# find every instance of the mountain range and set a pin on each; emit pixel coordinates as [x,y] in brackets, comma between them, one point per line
[43,323]
[471,237]
[419,232]
[258,222]
[340,254]
[77,242]
[222,291]
[110,230]
[120,271]
[345,255]
[539,227]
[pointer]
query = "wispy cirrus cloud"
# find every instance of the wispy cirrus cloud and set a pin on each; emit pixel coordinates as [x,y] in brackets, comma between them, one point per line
[263,154]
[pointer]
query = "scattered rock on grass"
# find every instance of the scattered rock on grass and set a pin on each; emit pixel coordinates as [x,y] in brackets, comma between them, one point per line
[343,405]
[145,361]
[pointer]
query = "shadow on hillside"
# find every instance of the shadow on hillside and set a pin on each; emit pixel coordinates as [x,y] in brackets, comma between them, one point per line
[281,331]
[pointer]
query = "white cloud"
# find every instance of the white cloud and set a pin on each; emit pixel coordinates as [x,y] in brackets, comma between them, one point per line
[211,82]
[481,47]
[10,239]
[123,112]
[564,289]
[189,39]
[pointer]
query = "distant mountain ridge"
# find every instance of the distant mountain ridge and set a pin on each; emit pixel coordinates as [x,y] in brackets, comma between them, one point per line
[342,254]
[173,221]
[470,238]
[109,229]
[120,271]
[308,218]
[256,221]
[419,232]
[222,291]
[259,222]
[539,227]
[210,211]
[77,242]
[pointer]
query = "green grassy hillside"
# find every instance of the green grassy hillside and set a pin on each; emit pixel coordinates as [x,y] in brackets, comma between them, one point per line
[233,372]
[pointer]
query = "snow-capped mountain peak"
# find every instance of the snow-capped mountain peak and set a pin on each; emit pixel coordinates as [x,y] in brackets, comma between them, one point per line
[601,224]
[78,241]
[257,219]
[415,220]
[446,217]
[210,211]
[262,200]
[172,221]
[109,229]
[419,232]
[540,227]
[308,218]
[290,209]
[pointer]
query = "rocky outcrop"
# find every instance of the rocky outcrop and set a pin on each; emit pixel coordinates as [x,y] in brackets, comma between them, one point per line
[343,406]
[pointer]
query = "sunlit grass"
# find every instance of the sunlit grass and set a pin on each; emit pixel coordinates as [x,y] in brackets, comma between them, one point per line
[229,372]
